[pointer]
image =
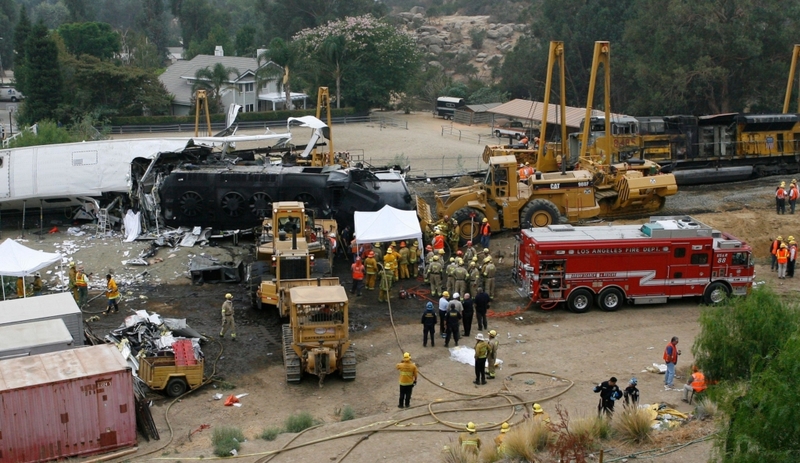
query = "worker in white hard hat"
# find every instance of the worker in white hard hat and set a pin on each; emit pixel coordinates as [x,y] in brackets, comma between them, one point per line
[38,284]
[227,318]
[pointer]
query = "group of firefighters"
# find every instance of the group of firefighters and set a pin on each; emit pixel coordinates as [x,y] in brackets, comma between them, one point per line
[784,255]
[782,194]
[466,271]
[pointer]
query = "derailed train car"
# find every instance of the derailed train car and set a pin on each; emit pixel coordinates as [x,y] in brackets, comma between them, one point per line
[236,197]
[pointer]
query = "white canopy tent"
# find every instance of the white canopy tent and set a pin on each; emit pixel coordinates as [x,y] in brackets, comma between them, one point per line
[388,224]
[20,261]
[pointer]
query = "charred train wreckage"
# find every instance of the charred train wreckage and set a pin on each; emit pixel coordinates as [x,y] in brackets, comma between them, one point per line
[198,181]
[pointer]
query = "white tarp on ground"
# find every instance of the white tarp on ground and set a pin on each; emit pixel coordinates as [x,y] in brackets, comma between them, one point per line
[19,261]
[388,224]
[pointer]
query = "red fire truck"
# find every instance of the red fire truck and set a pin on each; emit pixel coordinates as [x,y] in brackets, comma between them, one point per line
[667,258]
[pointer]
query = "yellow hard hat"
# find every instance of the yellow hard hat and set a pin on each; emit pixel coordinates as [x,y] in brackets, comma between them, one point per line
[452,259]
[441,251]
[471,426]
[783,183]
[537,408]
[792,242]
[504,427]
[406,356]
[435,257]
[72,264]
[790,238]
[487,259]
[485,220]
[779,238]
[492,333]
[229,296]
[527,164]
[446,294]
[783,245]
[460,261]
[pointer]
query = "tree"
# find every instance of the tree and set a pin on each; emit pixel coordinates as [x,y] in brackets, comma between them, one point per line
[488,95]
[214,80]
[96,39]
[152,20]
[578,23]
[376,61]
[196,18]
[752,347]
[51,14]
[333,52]
[709,56]
[284,55]
[43,84]
[285,18]
[105,88]
[245,41]
[78,12]
[8,17]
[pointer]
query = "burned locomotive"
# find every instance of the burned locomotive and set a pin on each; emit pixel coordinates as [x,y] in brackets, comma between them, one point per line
[228,197]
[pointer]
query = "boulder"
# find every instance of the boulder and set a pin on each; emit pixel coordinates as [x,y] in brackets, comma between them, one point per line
[434,49]
[418,10]
[480,55]
[407,16]
[431,40]
[419,17]
[505,31]
[492,34]
[428,29]
[435,64]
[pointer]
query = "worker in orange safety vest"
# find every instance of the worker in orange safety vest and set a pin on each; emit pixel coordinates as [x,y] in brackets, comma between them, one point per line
[780,199]
[358,276]
[697,383]
[793,193]
[783,259]
[774,251]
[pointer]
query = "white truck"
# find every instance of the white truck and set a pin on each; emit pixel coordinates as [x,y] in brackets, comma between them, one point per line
[513,129]
[10,94]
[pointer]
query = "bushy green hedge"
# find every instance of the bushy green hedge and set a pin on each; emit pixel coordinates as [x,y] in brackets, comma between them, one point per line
[243,117]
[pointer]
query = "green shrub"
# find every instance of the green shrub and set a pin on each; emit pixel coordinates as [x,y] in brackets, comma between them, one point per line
[601,427]
[271,433]
[226,439]
[299,422]
[348,413]
[632,425]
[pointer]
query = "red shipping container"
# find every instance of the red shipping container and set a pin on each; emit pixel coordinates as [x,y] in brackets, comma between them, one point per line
[65,404]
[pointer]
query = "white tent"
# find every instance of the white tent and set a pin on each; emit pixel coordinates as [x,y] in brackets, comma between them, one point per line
[388,224]
[19,261]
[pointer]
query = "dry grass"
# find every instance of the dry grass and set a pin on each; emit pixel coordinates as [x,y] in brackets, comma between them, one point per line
[453,453]
[632,425]
[705,409]
[526,439]
[584,430]
[489,454]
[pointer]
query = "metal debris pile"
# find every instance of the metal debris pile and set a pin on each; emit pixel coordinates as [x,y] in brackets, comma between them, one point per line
[148,334]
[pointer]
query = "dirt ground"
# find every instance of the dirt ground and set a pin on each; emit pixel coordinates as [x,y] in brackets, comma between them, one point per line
[555,357]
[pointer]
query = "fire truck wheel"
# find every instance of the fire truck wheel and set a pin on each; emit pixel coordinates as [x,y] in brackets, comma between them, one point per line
[715,293]
[580,300]
[539,213]
[469,224]
[176,387]
[610,299]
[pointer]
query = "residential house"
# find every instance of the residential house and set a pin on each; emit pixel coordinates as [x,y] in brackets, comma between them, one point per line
[242,89]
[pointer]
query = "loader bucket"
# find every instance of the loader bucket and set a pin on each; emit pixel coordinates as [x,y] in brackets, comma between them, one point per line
[424,213]
[642,190]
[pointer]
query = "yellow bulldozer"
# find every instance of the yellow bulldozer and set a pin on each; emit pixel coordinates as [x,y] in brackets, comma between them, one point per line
[316,339]
[599,177]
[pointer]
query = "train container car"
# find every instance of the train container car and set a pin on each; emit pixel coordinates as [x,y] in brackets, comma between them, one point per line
[34,338]
[66,404]
[48,307]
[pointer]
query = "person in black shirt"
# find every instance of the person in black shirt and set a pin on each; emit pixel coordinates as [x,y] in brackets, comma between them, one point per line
[631,393]
[428,325]
[482,301]
[609,393]
[453,325]
[466,314]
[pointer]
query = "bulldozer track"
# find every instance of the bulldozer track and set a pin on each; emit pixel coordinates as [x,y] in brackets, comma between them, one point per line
[349,364]
[291,361]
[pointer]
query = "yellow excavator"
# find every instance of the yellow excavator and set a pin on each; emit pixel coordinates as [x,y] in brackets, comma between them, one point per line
[624,183]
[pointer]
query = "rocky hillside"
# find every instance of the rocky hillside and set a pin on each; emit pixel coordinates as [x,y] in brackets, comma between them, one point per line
[466,46]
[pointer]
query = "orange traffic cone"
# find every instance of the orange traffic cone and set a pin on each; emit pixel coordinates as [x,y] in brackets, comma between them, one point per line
[53,230]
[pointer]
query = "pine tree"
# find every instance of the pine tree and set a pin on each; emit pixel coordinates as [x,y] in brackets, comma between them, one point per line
[43,80]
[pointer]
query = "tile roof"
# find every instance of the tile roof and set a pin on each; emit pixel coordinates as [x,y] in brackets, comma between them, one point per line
[533,110]
[177,78]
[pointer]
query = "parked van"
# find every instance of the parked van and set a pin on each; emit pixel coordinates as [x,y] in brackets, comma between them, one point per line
[446,106]
[10,94]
